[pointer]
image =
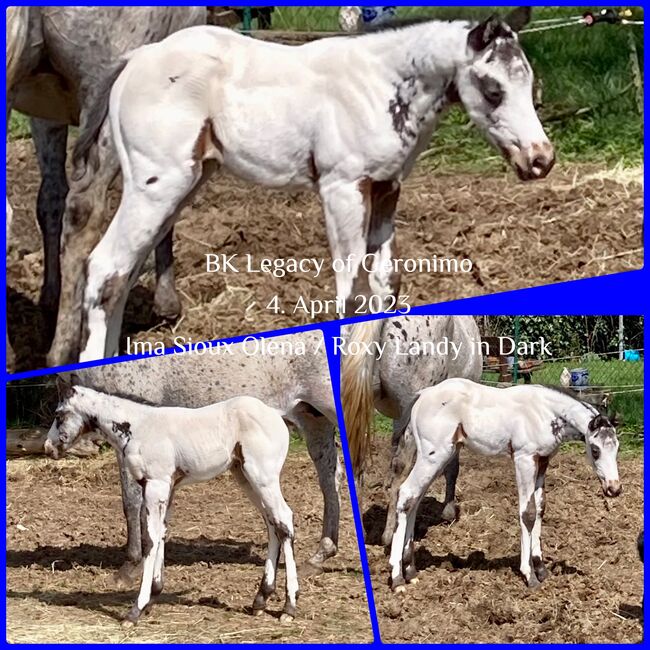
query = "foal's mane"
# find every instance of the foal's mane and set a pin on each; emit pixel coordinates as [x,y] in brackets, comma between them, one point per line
[569,393]
[121,395]
[402,23]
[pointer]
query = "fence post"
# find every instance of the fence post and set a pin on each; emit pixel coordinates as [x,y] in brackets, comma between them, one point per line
[247,19]
[515,363]
[621,339]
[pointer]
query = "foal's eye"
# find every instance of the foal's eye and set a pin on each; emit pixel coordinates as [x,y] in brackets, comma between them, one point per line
[595,452]
[492,91]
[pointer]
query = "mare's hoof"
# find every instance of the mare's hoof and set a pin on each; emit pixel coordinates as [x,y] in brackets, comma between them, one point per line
[450,513]
[310,568]
[400,589]
[533,583]
[258,612]
[167,306]
[126,624]
[414,581]
[286,619]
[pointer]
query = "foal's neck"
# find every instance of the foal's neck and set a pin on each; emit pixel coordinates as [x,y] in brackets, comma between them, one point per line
[111,416]
[572,412]
[430,51]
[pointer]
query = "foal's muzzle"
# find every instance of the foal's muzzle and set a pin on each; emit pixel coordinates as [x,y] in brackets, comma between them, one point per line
[52,450]
[534,162]
[612,488]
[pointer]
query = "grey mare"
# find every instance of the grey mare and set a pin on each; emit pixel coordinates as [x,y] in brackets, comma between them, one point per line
[289,373]
[404,355]
[56,57]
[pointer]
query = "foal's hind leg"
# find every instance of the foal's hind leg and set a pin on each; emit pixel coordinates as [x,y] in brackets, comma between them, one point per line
[268,584]
[146,212]
[425,470]
[280,518]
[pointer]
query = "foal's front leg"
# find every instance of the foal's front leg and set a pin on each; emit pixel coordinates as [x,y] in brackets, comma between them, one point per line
[540,504]
[360,222]
[156,499]
[526,473]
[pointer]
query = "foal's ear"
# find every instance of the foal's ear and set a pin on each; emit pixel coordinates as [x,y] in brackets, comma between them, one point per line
[518,18]
[598,421]
[484,33]
[64,388]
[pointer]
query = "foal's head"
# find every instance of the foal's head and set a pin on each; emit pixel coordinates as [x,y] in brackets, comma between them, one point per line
[602,447]
[69,423]
[496,89]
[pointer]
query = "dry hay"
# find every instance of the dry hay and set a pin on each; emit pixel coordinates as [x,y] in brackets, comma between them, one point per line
[470,590]
[65,531]
[580,222]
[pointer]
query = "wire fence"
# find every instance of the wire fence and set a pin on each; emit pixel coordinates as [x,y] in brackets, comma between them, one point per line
[604,365]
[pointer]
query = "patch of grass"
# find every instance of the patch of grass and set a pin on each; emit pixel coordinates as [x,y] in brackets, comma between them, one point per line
[18,126]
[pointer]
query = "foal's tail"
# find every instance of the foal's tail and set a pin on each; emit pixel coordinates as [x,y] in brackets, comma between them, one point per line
[81,154]
[357,392]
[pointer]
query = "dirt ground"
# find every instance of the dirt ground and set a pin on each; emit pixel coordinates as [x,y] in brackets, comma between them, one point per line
[65,531]
[580,222]
[470,590]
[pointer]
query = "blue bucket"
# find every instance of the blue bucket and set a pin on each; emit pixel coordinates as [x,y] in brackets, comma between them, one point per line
[580,377]
[377,15]
[632,355]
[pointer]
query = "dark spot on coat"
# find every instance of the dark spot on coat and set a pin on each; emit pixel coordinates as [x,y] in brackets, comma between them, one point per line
[151,180]
[529,515]
[174,79]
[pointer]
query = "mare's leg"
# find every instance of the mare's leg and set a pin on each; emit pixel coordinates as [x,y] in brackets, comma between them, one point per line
[425,470]
[526,473]
[11,356]
[83,223]
[156,497]
[360,222]
[401,465]
[268,585]
[132,506]
[50,140]
[450,511]
[540,504]
[321,444]
[166,301]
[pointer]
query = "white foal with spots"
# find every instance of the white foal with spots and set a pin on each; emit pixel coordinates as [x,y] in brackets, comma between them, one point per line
[166,447]
[527,422]
[345,117]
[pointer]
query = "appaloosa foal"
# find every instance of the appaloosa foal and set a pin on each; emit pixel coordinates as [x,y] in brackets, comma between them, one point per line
[166,447]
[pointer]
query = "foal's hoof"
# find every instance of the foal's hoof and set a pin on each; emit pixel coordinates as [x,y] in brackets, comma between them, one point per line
[400,589]
[131,618]
[540,570]
[258,612]
[286,619]
[414,581]
[533,583]
[127,624]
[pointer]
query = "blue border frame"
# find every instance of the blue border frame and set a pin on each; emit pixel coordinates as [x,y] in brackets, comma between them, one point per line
[624,293]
